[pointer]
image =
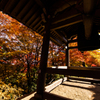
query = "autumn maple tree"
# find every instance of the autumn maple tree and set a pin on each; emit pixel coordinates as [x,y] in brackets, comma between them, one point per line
[20,52]
[20,48]
[89,58]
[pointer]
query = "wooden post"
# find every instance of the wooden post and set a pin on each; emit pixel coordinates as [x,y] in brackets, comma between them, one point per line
[67,58]
[43,62]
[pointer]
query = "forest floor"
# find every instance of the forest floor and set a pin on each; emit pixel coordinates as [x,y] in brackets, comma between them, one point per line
[78,90]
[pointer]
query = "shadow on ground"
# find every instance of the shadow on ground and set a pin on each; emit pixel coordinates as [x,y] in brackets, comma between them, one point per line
[81,87]
[95,88]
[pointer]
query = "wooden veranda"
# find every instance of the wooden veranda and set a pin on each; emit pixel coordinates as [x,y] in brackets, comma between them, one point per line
[59,21]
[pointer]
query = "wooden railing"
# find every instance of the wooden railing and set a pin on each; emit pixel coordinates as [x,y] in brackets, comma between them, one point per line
[77,71]
[85,79]
[74,71]
[71,71]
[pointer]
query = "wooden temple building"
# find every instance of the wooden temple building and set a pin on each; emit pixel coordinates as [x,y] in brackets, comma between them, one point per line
[59,21]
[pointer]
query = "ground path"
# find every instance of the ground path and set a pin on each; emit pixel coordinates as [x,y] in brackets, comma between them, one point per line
[78,90]
[75,90]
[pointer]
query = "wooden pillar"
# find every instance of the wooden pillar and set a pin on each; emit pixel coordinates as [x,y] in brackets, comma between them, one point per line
[67,58]
[43,63]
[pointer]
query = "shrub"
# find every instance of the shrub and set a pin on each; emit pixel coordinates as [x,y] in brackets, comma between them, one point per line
[9,92]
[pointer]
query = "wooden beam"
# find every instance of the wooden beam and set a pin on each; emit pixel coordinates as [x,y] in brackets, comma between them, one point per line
[58,40]
[64,33]
[63,19]
[86,80]
[55,41]
[36,25]
[41,30]
[3,3]
[35,22]
[50,96]
[30,13]
[72,47]
[18,7]
[30,21]
[60,37]
[54,36]
[9,6]
[60,6]
[66,23]
[74,72]
[25,10]
[67,14]
[85,68]
[71,41]
[39,2]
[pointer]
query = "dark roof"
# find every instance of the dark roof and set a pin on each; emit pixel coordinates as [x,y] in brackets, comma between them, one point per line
[67,16]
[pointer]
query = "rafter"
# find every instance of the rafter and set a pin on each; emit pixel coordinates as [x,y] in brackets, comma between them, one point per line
[63,19]
[25,9]
[3,3]
[18,7]
[64,16]
[55,41]
[68,22]
[63,32]
[42,30]
[29,14]
[37,25]
[9,4]
[35,22]
[61,5]
[61,38]
[39,28]
[29,22]
[39,2]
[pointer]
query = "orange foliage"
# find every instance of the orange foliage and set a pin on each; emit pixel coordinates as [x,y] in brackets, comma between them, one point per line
[89,57]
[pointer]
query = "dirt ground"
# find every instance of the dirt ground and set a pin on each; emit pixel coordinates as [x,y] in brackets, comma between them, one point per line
[78,90]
